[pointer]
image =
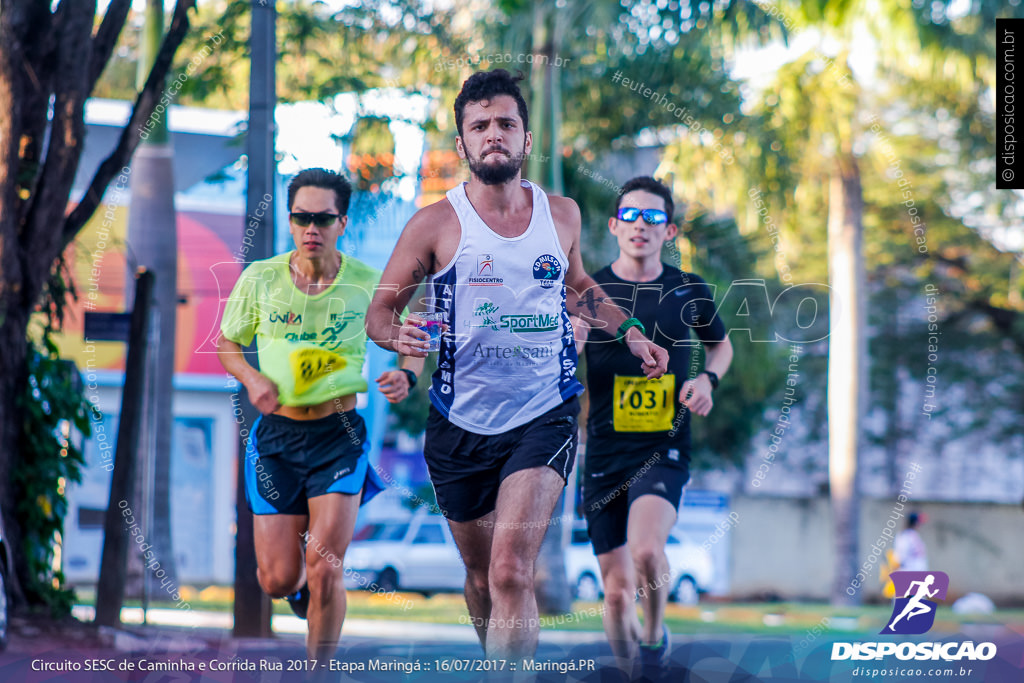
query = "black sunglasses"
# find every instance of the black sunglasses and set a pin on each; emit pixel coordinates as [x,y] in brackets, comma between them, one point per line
[320,220]
[651,216]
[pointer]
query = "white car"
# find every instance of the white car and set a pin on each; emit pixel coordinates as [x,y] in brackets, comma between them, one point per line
[414,554]
[690,566]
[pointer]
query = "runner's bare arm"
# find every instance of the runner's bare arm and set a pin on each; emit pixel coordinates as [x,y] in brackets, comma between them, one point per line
[262,390]
[394,384]
[592,304]
[696,392]
[412,260]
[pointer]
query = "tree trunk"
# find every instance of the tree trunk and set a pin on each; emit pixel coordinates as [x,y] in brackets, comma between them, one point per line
[847,363]
[556,183]
[153,241]
[13,353]
[538,121]
[252,608]
[124,493]
[51,55]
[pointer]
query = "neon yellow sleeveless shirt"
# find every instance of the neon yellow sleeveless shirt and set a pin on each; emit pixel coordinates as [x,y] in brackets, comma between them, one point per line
[312,347]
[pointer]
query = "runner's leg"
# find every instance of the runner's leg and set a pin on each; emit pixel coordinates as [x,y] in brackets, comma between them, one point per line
[278,540]
[620,621]
[526,500]
[650,520]
[332,519]
[473,540]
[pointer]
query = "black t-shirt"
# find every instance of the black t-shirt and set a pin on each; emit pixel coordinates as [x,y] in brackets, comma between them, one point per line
[629,413]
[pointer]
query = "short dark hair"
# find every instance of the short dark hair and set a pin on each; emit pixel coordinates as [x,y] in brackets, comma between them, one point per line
[647,184]
[483,85]
[327,180]
[912,519]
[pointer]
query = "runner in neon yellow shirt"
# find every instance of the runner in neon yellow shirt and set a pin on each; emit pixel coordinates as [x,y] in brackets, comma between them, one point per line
[306,461]
[312,346]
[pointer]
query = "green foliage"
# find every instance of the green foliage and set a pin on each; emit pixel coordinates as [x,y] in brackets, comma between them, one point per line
[322,52]
[756,378]
[930,95]
[54,407]
[674,55]
[595,195]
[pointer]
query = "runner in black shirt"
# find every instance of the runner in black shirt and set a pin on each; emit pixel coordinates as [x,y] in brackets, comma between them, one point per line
[638,433]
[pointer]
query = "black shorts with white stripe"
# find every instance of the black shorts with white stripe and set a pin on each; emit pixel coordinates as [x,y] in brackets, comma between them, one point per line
[466,469]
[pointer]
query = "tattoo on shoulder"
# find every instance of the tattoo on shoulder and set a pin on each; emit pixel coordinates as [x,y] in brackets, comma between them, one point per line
[421,270]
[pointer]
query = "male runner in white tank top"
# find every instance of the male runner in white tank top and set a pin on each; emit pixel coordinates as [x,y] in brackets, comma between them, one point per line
[501,436]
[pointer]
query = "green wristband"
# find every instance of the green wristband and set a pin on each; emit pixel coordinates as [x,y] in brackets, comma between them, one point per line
[624,327]
[411,375]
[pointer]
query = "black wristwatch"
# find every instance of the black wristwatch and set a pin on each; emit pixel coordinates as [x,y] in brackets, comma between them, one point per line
[711,376]
[412,377]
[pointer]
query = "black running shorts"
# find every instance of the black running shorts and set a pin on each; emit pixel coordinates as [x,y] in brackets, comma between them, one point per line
[608,494]
[466,469]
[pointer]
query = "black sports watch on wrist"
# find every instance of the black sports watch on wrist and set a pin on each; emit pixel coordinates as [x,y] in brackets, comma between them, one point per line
[412,377]
[711,376]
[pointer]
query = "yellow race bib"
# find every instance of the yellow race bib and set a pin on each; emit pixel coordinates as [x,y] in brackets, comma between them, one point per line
[310,364]
[643,405]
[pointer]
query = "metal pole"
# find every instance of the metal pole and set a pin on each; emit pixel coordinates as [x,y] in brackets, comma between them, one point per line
[252,606]
[113,565]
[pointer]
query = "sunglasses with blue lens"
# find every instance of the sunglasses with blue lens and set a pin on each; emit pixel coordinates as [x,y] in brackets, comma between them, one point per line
[651,216]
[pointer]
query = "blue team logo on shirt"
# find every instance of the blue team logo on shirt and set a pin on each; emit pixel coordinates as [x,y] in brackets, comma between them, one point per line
[546,270]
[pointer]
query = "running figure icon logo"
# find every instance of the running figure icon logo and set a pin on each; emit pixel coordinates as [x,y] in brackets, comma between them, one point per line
[914,613]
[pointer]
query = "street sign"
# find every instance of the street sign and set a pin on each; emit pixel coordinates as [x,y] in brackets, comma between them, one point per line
[107,326]
[706,499]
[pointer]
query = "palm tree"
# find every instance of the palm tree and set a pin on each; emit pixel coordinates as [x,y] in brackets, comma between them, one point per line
[805,146]
[153,243]
[813,114]
[940,50]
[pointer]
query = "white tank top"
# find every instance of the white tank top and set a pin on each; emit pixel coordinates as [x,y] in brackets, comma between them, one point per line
[509,354]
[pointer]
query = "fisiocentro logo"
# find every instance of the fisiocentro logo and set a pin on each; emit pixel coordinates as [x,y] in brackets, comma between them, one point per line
[534,322]
[913,613]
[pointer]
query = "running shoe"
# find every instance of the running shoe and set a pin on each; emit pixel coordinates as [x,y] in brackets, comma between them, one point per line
[653,658]
[299,601]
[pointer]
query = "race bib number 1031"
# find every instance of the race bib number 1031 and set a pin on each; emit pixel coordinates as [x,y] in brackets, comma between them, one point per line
[643,405]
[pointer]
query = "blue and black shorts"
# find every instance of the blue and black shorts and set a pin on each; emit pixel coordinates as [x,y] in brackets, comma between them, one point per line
[290,461]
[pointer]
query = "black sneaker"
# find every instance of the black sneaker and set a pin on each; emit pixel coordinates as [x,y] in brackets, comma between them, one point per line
[299,601]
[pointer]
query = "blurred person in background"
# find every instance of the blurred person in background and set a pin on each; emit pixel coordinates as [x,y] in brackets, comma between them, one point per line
[909,547]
